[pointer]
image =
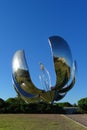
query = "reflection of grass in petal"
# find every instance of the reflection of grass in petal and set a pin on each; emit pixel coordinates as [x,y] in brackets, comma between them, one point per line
[62,76]
[23,79]
[37,122]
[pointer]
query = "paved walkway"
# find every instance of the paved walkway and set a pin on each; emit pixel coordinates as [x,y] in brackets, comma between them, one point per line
[80,118]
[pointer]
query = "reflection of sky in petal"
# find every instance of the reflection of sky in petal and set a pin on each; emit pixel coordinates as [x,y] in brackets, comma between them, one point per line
[61,49]
[20,61]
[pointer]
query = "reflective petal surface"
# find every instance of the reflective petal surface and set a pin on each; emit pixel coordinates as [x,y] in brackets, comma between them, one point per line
[65,70]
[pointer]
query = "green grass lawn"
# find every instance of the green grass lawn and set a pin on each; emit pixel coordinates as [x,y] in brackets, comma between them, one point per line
[37,122]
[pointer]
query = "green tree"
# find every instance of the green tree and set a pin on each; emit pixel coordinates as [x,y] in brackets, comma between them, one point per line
[2,106]
[65,104]
[13,105]
[2,103]
[82,105]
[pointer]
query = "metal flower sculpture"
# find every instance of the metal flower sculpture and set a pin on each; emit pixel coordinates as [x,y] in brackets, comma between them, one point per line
[65,69]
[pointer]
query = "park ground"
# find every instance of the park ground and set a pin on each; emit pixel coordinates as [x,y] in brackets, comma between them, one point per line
[43,122]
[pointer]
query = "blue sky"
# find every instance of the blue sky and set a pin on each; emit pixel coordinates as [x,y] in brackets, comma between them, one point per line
[27,25]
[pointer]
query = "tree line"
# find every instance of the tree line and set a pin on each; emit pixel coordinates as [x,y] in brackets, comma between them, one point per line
[17,105]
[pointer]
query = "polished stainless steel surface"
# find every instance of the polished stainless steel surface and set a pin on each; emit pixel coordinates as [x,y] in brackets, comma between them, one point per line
[65,70]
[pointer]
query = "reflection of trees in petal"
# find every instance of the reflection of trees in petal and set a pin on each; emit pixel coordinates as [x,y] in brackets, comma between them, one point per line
[62,72]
